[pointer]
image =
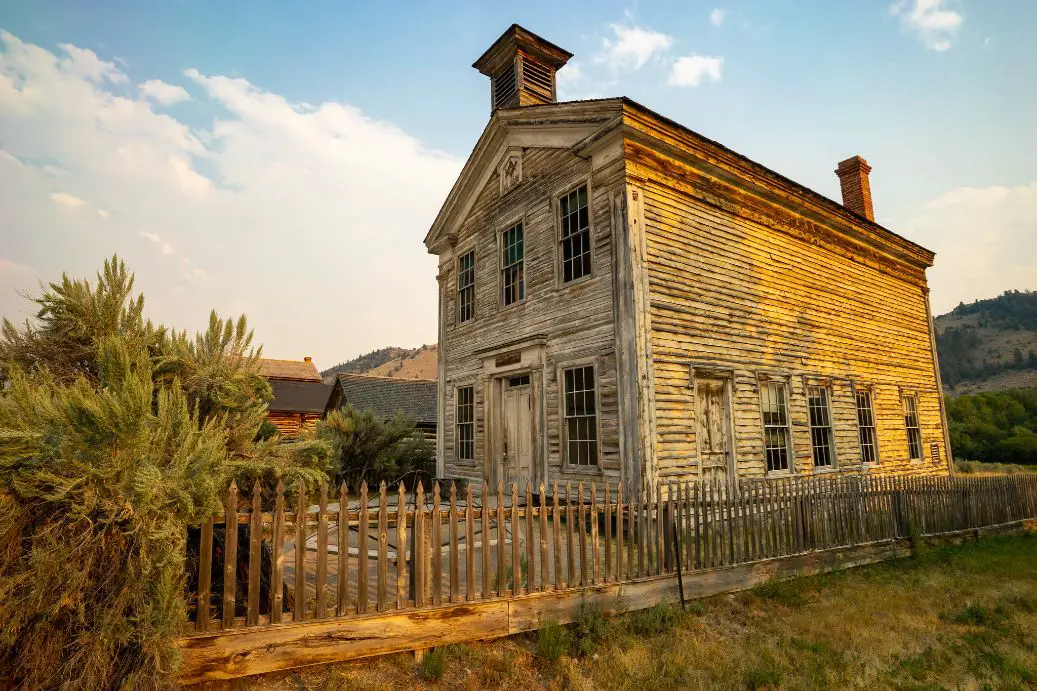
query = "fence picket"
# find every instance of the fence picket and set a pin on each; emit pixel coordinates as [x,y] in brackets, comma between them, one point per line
[486,551]
[437,544]
[595,575]
[299,610]
[570,565]
[607,524]
[452,557]
[383,548]
[418,555]
[556,529]
[516,562]
[321,583]
[277,557]
[620,573]
[530,542]
[401,547]
[544,572]
[363,521]
[469,543]
[502,576]
[255,530]
[343,549]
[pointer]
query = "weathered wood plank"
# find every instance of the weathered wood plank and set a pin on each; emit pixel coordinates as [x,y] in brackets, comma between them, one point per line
[277,557]
[230,555]
[321,584]
[255,552]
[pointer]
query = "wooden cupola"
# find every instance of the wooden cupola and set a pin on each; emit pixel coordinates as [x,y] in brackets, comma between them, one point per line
[521,67]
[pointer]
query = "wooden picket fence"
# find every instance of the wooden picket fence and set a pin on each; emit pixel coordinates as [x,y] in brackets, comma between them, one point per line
[350,555]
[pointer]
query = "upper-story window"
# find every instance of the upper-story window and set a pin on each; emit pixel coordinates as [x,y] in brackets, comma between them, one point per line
[466,287]
[866,427]
[775,425]
[820,427]
[914,432]
[513,262]
[576,234]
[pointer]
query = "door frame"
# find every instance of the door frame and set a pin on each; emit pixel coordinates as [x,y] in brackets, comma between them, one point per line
[728,377]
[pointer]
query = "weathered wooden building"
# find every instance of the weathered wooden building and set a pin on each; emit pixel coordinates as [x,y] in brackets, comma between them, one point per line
[300,395]
[620,297]
[388,397]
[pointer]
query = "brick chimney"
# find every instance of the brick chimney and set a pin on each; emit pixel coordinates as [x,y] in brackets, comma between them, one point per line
[853,179]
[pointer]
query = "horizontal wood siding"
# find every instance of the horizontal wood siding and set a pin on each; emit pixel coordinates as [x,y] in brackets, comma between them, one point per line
[732,292]
[291,424]
[572,322]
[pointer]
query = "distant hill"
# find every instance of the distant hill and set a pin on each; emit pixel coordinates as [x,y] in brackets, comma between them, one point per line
[401,363]
[989,345]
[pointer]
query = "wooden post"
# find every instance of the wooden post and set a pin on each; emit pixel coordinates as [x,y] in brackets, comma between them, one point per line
[230,554]
[201,616]
[322,553]
[607,524]
[557,534]
[544,579]
[383,548]
[401,547]
[530,541]
[364,520]
[300,555]
[502,577]
[485,539]
[255,547]
[570,570]
[437,545]
[277,558]
[418,556]
[469,539]
[342,581]
[516,559]
[453,558]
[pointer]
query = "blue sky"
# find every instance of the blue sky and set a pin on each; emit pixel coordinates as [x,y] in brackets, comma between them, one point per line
[208,142]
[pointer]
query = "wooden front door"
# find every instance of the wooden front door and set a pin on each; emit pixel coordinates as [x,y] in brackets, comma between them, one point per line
[714,429]
[518,431]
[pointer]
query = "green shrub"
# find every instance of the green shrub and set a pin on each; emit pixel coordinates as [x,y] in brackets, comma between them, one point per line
[434,664]
[115,435]
[589,630]
[654,620]
[552,640]
[366,448]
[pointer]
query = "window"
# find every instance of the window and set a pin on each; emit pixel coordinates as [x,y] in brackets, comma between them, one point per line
[820,427]
[866,427]
[513,281]
[775,426]
[581,417]
[576,235]
[466,287]
[914,434]
[465,423]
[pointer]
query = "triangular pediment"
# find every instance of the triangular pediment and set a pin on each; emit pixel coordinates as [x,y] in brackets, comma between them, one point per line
[497,157]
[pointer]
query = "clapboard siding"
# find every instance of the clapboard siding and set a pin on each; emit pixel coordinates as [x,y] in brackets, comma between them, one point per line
[734,293]
[574,322]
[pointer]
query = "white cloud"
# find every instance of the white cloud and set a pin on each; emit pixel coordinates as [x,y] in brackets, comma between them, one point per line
[716,17]
[164,246]
[308,219]
[985,239]
[163,93]
[631,47]
[67,200]
[569,75]
[692,70]
[931,20]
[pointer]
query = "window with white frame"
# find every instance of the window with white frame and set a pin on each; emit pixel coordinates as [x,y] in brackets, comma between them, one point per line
[866,427]
[576,234]
[774,401]
[821,447]
[466,287]
[580,412]
[914,432]
[465,423]
[513,262]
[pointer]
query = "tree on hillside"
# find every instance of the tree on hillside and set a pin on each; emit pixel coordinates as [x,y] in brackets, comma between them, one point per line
[115,435]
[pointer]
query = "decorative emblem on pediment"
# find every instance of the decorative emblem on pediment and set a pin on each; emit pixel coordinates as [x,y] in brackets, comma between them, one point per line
[510,171]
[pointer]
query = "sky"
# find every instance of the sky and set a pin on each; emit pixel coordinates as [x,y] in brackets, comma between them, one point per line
[285,160]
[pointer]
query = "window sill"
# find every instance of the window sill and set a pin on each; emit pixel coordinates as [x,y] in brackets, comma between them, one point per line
[826,470]
[563,285]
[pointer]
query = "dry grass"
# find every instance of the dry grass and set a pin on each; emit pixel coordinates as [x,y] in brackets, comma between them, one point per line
[959,617]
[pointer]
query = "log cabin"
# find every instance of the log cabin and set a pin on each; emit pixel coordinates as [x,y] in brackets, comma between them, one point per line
[300,395]
[622,298]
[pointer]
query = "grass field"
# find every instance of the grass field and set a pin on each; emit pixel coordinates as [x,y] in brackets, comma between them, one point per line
[955,617]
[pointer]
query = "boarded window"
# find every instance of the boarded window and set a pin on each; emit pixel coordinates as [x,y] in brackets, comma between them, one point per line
[513,280]
[465,422]
[866,427]
[581,416]
[466,287]
[775,426]
[576,235]
[914,433]
[820,427]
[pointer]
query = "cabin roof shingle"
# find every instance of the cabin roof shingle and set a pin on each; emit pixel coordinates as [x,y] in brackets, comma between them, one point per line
[299,370]
[387,396]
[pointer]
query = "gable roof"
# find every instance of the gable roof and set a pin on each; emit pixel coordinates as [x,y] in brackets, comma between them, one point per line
[589,122]
[387,396]
[299,370]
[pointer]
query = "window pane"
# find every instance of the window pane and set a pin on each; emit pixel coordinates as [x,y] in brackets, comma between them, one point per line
[580,416]
[575,227]
[775,426]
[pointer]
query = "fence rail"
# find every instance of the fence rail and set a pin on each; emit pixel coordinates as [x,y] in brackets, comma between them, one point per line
[346,555]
